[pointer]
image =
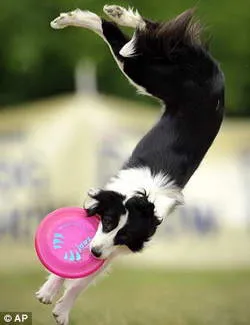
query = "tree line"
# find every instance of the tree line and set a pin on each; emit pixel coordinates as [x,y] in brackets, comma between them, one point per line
[37,62]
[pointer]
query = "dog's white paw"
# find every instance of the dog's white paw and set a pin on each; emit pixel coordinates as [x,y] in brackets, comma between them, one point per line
[78,18]
[114,11]
[60,314]
[123,16]
[65,19]
[92,192]
[44,296]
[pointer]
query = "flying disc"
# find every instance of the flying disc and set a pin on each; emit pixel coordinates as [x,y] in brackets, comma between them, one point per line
[62,243]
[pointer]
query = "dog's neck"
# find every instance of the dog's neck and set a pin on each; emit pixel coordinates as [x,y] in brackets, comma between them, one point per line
[160,190]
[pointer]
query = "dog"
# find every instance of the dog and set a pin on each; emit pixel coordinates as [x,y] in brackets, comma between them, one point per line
[170,62]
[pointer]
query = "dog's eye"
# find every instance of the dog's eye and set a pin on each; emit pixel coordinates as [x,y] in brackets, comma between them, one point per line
[107,223]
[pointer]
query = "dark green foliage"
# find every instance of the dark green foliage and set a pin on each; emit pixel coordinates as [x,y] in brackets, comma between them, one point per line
[36,61]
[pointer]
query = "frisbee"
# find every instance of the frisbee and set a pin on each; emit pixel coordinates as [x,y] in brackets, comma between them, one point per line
[62,243]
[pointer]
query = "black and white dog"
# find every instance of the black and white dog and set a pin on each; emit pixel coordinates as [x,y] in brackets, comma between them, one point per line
[166,60]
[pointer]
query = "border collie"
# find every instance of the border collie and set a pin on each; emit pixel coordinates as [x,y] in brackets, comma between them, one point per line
[166,60]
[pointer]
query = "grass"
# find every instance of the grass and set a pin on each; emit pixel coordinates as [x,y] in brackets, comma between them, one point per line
[141,297]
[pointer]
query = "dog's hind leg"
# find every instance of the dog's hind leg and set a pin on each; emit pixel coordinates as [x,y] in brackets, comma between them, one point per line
[49,289]
[129,18]
[120,45]
[125,17]
[109,31]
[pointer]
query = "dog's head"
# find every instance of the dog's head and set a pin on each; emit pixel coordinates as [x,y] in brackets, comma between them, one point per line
[125,221]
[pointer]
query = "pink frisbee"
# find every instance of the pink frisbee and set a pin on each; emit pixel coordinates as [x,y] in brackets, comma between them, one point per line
[62,243]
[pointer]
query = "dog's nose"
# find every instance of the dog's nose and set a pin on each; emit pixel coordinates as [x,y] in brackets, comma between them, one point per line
[96,252]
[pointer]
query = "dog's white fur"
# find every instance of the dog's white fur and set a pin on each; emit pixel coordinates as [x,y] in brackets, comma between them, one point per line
[160,189]
[79,18]
[128,49]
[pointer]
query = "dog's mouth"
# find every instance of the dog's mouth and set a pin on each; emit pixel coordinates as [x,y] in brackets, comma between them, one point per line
[102,254]
[96,253]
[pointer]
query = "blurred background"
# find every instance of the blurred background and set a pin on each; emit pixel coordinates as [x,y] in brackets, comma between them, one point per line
[68,119]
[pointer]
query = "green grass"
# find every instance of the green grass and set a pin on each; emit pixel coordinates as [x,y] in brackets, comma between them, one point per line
[141,297]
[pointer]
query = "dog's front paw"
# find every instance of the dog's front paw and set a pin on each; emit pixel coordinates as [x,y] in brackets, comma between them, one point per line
[61,319]
[60,314]
[44,297]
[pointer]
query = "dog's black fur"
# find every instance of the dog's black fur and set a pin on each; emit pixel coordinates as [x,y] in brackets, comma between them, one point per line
[110,207]
[172,64]
[141,224]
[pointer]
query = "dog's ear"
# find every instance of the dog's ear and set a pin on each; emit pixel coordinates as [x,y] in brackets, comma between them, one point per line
[92,205]
[140,202]
[91,209]
[94,192]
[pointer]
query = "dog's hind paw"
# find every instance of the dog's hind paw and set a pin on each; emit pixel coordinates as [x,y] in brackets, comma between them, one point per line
[65,19]
[123,16]
[78,18]
[114,11]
